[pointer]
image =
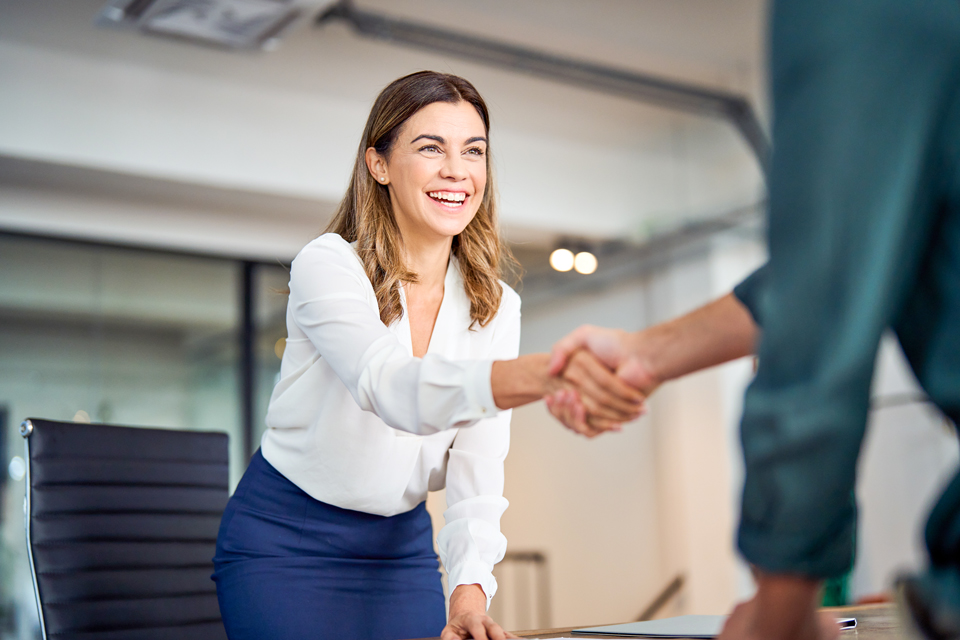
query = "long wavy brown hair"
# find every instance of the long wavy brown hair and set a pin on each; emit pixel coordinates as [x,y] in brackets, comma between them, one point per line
[365,214]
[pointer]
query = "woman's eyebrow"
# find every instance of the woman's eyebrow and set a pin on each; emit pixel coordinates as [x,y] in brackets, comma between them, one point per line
[429,137]
[441,140]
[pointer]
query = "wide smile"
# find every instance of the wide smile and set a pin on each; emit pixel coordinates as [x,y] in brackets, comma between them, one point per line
[449,199]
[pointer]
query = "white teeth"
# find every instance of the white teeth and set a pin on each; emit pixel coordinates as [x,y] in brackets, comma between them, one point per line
[448,196]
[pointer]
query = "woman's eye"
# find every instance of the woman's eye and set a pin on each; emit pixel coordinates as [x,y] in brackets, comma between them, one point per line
[430,147]
[476,151]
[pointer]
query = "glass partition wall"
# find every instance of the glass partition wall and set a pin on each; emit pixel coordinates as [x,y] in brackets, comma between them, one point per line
[94,333]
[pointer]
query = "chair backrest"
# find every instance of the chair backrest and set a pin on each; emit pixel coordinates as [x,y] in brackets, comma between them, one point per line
[121,530]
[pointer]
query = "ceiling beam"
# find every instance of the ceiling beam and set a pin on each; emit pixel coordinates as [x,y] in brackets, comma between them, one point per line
[736,109]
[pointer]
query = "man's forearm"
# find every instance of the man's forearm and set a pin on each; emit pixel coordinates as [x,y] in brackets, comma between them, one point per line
[718,332]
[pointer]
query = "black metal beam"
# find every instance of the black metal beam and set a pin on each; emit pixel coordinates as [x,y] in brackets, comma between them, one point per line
[248,364]
[646,88]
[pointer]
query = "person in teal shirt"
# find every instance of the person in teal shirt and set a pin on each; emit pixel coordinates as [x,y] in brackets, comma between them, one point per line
[864,236]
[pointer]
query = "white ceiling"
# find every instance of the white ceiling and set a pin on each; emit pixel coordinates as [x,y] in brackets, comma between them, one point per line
[711,42]
[561,149]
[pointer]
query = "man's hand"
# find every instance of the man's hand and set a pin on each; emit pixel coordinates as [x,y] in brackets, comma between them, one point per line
[619,350]
[468,616]
[784,608]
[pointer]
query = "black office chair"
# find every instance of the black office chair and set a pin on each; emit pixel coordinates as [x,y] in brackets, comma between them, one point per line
[121,528]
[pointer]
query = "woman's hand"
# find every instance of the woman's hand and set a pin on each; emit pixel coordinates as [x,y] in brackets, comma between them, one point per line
[606,399]
[478,626]
[468,616]
[591,399]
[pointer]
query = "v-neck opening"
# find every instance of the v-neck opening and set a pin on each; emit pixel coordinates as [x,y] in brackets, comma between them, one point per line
[447,281]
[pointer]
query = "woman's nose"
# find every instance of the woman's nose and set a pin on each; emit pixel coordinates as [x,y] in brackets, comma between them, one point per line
[454,167]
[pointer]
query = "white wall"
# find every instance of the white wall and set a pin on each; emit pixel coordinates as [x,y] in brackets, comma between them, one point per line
[590,505]
[695,473]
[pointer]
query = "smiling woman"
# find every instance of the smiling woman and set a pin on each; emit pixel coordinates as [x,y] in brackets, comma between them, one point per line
[399,369]
[436,180]
[425,142]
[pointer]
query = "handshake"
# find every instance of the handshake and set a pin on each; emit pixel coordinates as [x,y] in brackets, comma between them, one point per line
[599,379]
[596,379]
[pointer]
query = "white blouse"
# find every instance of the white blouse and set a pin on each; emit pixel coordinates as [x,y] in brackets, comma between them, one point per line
[357,422]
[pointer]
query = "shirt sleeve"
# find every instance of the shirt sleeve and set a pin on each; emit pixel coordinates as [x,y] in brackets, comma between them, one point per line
[749,291]
[330,299]
[470,542]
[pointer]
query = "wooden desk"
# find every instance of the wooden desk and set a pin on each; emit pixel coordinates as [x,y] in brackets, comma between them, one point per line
[874,622]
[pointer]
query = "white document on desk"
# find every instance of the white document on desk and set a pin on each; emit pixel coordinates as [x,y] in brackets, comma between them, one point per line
[679,627]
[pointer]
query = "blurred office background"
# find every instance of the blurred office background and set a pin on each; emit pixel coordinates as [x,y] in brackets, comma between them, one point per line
[153,190]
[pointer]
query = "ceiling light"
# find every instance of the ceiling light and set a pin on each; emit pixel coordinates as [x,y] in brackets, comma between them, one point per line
[561,259]
[585,262]
[234,24]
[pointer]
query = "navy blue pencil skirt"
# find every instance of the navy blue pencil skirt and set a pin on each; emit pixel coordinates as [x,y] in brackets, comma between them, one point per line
[291,567]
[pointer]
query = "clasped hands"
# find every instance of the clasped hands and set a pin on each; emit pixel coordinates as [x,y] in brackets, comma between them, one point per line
[599,380]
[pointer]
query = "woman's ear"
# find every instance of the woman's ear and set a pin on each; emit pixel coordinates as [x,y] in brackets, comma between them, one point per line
[377,166]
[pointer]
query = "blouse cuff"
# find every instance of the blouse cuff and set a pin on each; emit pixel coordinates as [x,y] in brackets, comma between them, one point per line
[480,388]
[473,572]
[471,543]
[453,394]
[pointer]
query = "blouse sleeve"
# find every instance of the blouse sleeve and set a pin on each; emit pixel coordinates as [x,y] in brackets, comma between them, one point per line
[330,299]
[470,543]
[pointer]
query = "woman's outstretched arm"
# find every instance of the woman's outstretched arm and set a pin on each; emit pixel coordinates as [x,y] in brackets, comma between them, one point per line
[332,305]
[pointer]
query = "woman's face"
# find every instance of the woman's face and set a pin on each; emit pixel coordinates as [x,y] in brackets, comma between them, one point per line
[436,171]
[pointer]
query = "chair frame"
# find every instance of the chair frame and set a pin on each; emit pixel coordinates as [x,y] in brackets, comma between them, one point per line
[26,430]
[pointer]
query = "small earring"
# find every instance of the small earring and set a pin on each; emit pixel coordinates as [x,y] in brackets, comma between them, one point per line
[383,178]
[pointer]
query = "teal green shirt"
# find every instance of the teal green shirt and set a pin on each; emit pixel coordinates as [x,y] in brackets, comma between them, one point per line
[864,235]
